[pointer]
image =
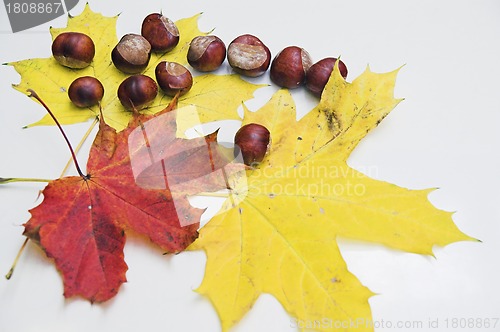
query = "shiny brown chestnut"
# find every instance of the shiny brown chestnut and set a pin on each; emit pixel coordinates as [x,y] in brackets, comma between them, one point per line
[173,78]
[86,91]
[137,92]
[253,141]
[318,75]
[73,49]
[289,67]
[248,55]
[132,53]
[161,32]
[206,53]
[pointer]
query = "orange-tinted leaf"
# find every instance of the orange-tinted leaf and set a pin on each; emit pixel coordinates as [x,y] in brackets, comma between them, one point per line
[82,222]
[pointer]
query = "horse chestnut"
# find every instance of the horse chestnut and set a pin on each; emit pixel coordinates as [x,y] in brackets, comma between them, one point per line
[137,92]
[206,53]
[248,56]
[173,78]
[160,32]
[253,141]
[290,66]
[86,91]
[132,53]
[318,75]
[73,49]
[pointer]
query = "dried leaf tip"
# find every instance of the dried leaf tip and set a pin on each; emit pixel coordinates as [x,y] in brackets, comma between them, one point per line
[11,271]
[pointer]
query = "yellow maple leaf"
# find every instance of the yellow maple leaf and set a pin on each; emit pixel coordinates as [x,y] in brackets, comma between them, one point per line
[220,95]
[277,232]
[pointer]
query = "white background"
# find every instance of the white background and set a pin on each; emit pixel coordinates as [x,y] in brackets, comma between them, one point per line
[445,134]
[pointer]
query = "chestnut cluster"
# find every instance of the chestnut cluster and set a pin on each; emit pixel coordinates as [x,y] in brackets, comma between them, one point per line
[293,67]
[249,56]
[246,54]
[131,55]
[76,50]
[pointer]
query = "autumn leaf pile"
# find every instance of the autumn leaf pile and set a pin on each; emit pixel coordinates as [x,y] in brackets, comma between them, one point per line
[277,231]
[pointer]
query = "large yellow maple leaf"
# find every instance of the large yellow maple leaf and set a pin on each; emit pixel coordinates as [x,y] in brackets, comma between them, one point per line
[277,231]
[218,95]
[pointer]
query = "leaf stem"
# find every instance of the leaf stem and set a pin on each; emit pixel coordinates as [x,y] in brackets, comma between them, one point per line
[78,169]
[79,146]
[11,180]
[11,271]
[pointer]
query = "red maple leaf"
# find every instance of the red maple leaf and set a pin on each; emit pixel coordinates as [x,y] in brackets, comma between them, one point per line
[82,221]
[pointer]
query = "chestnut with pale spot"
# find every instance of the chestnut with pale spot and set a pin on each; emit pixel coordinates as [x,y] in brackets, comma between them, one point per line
[173,78]
[248,56]
[161,32]
[132,53]
[289,67]
[206,53]
[73,50]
